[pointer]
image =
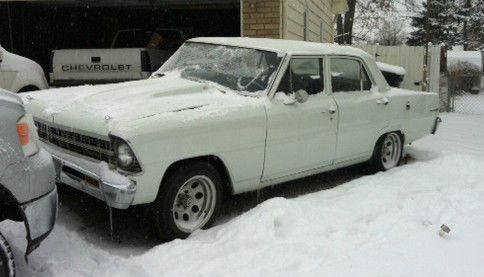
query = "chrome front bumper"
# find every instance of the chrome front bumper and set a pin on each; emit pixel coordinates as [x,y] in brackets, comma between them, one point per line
[93,178]
[39,218]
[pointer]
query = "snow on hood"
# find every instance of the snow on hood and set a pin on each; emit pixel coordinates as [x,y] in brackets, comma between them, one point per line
[131,100]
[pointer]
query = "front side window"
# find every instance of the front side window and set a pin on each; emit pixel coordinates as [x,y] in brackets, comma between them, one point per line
[240,69]
[348,75]
[303,74]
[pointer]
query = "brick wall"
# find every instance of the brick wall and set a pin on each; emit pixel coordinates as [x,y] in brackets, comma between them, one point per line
[262,18]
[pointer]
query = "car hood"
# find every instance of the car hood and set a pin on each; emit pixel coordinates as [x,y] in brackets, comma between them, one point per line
[99,109]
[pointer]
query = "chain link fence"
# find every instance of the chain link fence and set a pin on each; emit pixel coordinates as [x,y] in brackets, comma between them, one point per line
[465,86]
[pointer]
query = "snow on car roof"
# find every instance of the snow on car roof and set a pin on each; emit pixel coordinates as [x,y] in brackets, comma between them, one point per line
[391,68]
[285,46]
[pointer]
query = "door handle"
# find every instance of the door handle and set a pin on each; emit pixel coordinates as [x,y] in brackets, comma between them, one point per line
[383,101]
[408,106]
[332,109]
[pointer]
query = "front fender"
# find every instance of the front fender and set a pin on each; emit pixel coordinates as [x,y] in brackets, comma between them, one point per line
[235,135]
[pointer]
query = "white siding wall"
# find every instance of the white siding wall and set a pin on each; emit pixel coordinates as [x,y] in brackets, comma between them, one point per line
[318,17]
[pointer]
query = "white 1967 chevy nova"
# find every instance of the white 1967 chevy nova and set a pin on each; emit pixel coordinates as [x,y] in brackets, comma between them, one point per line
[224,116]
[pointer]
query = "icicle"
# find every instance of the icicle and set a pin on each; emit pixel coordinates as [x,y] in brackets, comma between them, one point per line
[111,229]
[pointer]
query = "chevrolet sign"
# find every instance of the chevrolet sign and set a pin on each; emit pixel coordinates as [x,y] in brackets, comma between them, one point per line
[96,67]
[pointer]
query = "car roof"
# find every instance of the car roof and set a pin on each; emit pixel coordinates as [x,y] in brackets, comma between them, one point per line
[285,46]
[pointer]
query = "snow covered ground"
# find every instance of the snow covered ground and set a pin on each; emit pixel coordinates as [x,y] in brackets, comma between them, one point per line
[342,223]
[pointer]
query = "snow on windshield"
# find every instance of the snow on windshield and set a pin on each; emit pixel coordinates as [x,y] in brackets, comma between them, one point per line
[240,69]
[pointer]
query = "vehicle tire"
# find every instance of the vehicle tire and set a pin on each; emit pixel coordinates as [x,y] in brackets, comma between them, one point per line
[7,266]
[189,199]
[388,152]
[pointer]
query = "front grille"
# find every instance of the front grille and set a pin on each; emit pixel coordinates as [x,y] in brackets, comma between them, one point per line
[92,147]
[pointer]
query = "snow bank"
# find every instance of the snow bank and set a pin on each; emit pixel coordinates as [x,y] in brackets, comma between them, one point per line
[385,224]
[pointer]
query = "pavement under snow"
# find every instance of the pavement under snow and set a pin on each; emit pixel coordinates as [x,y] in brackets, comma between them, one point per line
[343,223]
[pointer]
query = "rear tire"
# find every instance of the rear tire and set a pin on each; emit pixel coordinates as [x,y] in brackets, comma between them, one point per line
[189,199]
[387,153]
[7,266]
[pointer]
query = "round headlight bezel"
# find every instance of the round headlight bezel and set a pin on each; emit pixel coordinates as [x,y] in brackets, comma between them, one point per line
[124,155]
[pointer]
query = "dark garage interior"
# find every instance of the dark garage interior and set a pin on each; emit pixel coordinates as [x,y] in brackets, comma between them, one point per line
[34,28]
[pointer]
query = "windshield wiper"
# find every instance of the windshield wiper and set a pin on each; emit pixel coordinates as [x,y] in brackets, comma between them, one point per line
[158,75]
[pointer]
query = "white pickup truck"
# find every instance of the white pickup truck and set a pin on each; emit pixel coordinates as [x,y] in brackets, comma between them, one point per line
[19,74]
[134,55]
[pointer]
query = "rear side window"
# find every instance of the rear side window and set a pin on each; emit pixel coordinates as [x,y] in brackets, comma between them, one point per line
[349,75]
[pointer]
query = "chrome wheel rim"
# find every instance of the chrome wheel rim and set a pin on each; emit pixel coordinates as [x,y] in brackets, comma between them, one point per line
[194,203]
[391,151]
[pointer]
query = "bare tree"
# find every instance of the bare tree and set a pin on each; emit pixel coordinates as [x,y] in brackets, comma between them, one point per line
[391,33]
[369,15]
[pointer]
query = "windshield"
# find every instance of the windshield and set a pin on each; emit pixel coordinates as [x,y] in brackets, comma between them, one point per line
[239,69]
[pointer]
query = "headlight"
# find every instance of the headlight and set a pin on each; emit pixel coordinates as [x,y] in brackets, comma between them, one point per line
[125,158]
[125,155]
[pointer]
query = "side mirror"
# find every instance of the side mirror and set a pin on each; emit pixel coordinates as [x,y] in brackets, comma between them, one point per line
[301,96]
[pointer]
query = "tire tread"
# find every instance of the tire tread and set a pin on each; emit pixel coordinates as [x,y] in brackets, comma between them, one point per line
[6,255]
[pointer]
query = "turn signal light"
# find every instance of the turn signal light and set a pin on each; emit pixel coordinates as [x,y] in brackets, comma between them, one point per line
[23,133]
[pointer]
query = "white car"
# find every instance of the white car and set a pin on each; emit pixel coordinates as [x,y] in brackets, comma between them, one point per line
[27,179]
[19,74]
[225,116]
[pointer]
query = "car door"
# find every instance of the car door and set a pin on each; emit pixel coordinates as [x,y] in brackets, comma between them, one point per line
[362,110]
[300,136]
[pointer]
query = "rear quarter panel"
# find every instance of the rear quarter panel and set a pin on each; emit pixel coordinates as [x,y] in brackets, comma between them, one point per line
[412,112]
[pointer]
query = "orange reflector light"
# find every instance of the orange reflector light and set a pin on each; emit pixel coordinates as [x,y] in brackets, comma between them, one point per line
[23,133]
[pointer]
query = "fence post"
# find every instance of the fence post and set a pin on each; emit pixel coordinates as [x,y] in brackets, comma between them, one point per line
[482,71]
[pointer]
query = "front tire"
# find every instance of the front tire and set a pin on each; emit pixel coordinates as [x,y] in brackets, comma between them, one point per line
[388,152]
[189,199]
[7,266]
